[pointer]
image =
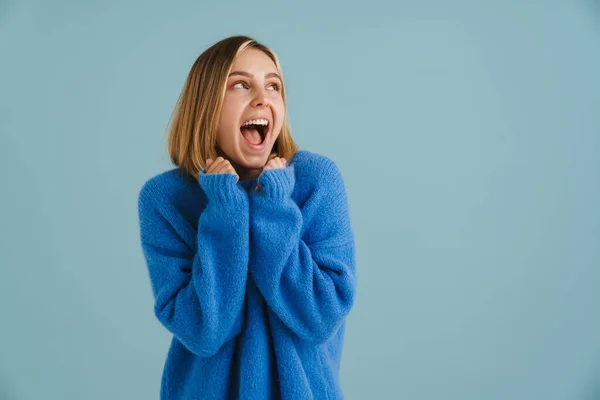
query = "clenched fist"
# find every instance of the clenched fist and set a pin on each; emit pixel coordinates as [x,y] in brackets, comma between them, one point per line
[220,166]
[273,163]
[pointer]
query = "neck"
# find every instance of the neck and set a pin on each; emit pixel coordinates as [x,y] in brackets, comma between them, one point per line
[247,174]
[243,173]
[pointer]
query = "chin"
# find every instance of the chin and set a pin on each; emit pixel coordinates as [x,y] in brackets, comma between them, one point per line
[254,162]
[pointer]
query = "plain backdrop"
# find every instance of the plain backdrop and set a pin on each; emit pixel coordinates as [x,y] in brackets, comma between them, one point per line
[468,136]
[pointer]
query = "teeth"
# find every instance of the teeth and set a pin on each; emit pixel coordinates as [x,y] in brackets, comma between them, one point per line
[257,122]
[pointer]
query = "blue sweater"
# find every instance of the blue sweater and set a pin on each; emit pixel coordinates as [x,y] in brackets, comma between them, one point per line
[254,285]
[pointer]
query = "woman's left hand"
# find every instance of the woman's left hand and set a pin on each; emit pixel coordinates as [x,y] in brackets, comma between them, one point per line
[273,163]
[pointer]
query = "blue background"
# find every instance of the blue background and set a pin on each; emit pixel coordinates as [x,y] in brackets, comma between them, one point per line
[468,135]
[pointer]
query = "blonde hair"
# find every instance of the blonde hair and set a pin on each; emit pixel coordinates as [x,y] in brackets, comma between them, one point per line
[193,125]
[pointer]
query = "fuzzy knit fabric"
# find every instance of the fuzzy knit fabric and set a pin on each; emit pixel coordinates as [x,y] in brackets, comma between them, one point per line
[255,286]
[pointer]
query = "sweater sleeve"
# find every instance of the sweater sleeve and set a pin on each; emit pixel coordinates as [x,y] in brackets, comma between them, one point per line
[199,296]
[309,283]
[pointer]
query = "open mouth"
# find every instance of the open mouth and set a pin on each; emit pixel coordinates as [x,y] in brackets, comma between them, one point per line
[254,133]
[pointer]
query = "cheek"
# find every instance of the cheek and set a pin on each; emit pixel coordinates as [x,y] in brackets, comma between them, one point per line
[227,129]
[280,110]
[229,117]
[277,106]
[226,111]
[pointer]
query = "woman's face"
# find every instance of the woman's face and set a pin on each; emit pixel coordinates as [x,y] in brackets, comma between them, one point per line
[253,92]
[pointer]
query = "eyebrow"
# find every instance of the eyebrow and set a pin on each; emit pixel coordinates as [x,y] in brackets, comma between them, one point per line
[246,74]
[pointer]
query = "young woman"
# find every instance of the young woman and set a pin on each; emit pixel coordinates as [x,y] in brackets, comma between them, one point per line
[250,253]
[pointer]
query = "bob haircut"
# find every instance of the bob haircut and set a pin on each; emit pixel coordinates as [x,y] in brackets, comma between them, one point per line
[193,125]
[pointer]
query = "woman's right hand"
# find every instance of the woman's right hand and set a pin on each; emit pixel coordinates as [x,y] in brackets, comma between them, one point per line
[220,166]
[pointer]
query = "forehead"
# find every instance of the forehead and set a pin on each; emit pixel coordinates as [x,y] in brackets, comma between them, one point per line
[254,61]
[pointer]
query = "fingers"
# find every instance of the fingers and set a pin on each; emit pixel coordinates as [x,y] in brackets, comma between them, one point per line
[276,162]
[214,166]
[220,166]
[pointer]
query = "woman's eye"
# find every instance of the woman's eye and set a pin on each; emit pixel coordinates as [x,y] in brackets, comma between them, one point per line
[276,86]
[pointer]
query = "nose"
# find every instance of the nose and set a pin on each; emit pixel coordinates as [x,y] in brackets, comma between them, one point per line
[260,99]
